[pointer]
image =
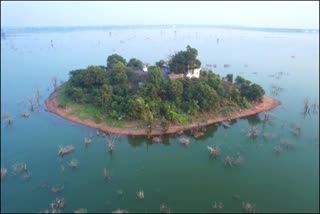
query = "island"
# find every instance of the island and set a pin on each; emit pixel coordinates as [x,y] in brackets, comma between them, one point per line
[133,98]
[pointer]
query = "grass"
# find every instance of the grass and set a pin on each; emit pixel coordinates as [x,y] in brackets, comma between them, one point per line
[114,122]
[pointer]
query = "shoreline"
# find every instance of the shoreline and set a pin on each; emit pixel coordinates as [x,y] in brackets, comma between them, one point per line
[52,106]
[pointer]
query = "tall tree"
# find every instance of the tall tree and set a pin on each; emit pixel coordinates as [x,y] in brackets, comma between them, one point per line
[113,59]
[135,63]
[183,60]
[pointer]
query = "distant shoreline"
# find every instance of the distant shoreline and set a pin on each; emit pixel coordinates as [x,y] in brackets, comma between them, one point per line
[52,106]
[30,29]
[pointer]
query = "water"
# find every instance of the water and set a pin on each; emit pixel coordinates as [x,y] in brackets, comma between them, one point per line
[185,179]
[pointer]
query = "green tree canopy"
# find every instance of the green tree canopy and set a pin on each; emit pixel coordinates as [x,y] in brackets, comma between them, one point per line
[160,63]
[135,63]
[93,76]
[118,91]
[253,92]
[229,77]
[181,61]
[113,59]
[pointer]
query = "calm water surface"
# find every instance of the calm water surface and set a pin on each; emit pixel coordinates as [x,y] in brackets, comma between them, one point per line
[186,179]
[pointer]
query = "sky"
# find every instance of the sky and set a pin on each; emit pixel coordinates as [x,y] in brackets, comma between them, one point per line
[273,14]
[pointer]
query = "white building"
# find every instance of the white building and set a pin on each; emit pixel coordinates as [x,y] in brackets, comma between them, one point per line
[145,68]
[193,73]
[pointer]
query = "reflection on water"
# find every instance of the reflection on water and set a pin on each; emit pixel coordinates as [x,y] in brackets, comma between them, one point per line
[267,162]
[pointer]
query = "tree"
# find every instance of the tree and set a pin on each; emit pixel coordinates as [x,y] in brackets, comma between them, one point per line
[216,83]
[114,58]
[120,92]
[119,78]
[118,67]
[117,74]
[190,107]
[136,106]
[256,93]
[253,92]
[175,91]
[135,63]
[229,78]
[191,57]
[154,76]
[160,63]
[206,96]
[234,94]
[92,76]
[38,97]
[183,60]
[104,96]
[242,81]
[169,111]
[55,83]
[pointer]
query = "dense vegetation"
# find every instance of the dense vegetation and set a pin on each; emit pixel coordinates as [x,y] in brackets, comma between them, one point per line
[119,92]
[183,60]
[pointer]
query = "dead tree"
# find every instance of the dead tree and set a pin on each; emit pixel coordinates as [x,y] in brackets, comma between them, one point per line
[184,141]
[57,188]
[214,151]
[106,174]
[120,211]
[306,107]
[315,106]
[111,138]
[164,208]
[3,172]
[31,103]
[38,97]
[55,83]
[65,150]
[8,119]
[25,114]
[253,132]
[266,116]
[81,210]
[74,163]
[88,141]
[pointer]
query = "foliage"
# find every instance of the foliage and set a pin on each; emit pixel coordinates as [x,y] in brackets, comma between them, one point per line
[62,105]
[117,91]
[181,61]
[113,59]
[253,92]
[229,77]
[135,63]
[160,63]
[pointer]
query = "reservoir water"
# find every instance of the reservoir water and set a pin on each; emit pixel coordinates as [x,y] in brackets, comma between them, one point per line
[185,179]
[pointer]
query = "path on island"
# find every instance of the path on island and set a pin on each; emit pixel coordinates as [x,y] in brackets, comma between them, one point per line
[52,106]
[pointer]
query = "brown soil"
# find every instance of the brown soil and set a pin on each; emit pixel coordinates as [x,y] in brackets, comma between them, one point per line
[52,105]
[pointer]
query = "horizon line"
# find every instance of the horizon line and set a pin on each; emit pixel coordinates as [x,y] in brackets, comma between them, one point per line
[154,25]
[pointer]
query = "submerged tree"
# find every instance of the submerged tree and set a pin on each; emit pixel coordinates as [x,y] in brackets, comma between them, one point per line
[25,114]
[306,107]
[38,97]
[106,174]
[111,139]
[8,119]
[31,104]
[55,83]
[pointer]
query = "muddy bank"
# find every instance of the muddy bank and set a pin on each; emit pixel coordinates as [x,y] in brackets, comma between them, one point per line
[52,105]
